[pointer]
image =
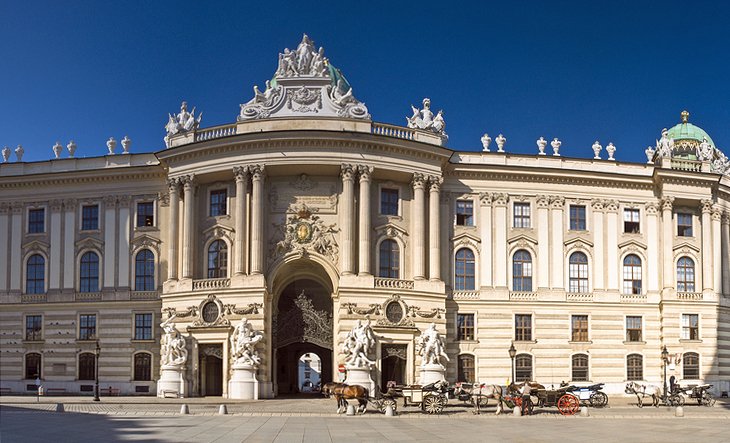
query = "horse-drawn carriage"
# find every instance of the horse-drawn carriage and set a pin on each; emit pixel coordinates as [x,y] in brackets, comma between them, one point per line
[701,393]
[566,402]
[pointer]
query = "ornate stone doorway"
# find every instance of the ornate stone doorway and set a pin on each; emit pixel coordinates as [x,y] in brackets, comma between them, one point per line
[393,365]
[211,370]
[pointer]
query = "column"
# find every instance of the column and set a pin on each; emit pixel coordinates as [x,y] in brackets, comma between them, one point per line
[717,249]
[347,174]
[241,175]
[123,251]
[110,239]
[417,221]
[16,234]
[69,243]
[667,243]
[612,232]
[725,253]
[257,218]
[364,264]
[542,267]
[597,206]
[485,233]
[557,243]
[173,185]
[652,253]
[54,266]
[500,260]
[707,255]
[188,183]
[4,236]
[434,228]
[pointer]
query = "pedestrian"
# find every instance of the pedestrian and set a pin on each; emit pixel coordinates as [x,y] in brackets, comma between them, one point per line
[526,391]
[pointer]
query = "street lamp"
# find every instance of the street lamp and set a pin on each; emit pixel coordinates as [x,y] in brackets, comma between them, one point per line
[512,352]
[665,358]
[96,368]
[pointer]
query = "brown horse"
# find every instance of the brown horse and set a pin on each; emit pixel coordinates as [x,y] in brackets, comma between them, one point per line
[516,389]
[343,392]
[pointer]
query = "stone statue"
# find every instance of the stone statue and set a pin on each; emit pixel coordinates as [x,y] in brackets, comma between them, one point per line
[596,150]
[541,144]
[705,150]
[6,154]
[184,121]
[57,149]
[486,140]
[342,93]
[424,119]
[665,145]
[71,146]
[19,153]
[501,140]
[649,151]
[243,344]
[556,146]
[172,344]
[432,346]
[611,149]
[358,343]
[302,61]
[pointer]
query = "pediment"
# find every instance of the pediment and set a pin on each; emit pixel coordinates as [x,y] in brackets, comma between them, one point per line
[391,230]
[686,247]
[89,243]
[633,243]
[36,245]
[464,237]
[577,242]
[522,239]
[219,231]
[145,241]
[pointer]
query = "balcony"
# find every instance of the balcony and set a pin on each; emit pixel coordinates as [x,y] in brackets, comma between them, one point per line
[522,295]
[393,283]
[144,295]
[33,298]
[689,296]
[211,284]
[686,165]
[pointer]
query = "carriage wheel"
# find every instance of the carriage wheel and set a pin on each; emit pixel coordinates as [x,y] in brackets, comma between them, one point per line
[483,400]
[432,404]
[568,404]
[708,399]
[676,400]
[598,399]
[384,405]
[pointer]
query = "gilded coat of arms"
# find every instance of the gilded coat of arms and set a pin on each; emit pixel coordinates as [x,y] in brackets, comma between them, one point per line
[305,232]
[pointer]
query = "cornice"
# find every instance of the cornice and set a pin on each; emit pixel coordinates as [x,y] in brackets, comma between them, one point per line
[87,177]
[538,175]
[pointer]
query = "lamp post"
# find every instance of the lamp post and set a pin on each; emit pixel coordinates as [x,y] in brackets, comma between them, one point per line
[512,352]
[96,368]
[665,357]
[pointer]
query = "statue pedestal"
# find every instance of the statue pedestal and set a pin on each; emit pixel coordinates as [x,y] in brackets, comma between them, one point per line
[243,384]
[172,381]
[360,376]
[431,374]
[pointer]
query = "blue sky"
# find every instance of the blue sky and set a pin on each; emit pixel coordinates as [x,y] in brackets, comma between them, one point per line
[613,71]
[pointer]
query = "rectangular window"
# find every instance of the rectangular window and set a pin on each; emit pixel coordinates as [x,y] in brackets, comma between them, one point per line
[145,214]
[465,326]
[690,327]
[632,224]
[464,213]
[34,327]
[389,201]
[579,327]
[633,328]
[521,217]
[87,327]
[90,218]
[218,202]
[684,225]
[523,327]
[577,218]
[465,369]
[36,221]
[143,326]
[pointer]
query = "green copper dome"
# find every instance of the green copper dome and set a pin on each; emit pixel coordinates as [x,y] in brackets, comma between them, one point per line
[688,131]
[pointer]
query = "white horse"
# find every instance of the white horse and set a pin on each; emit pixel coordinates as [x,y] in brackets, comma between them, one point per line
[481,391]
[642,391]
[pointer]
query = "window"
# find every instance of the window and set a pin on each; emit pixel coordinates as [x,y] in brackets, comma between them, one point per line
[523,367]
[466,369]
[34,327]
[144,271]
[632,224]
[685,275]
[633,328]
[89,273]
[522,271]
[465,213]
[143,326]
[523,327]
[142,367]
[145,214]
[577,218]
[578,273]
[389,201]
[521,216]
[36,221]
[579,328]
[691,366]
[632,274]
[465,326]
[32,365]
[464,267]
[634,367]
[87,366]
[218,202]
[35,270]
[690,327]
[684,225]
[218,259]
[87,326]
[90,218]
[580,367]
[389,259]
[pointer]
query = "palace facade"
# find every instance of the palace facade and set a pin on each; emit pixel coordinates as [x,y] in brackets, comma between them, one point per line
[305,216]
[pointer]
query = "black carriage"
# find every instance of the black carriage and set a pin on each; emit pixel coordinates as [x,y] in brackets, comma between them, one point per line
[700,393]
[431,398]
[567,403]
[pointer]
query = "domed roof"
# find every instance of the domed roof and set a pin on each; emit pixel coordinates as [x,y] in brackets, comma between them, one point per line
[688,131]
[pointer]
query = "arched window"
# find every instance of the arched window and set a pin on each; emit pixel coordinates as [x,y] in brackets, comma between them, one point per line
[87,366]
[522,271]
[32,365]
[523,368]
[466,369]
[89,273]
[632,274]
[634,367]
[464,267]
[144,271]
[218,259]
[685,275]
[691,366]
[389,259]
[35,275]
[580,367]
[578,273]
[142,366]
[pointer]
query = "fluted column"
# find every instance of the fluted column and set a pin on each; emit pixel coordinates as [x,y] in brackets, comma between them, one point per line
[417,221]
[667,243]
[173,185]
[241,175]
[257,218]
[188,183]
[364,222]
[597,207]
[347,217]
[557,263]
[434,229]
[612,232]
[485,232]
[500,260]
[652,252]
[726,253]
[543,242]
[707,256]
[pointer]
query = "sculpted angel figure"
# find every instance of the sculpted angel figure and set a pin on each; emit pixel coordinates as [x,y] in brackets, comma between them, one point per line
[665,144]
[432,346]
[705,150]
[358,343]
[243,343]
[172,344]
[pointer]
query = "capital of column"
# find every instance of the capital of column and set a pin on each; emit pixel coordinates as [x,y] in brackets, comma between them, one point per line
[611,205]
[706,206]
[726,218]
[4,208]
[56,205]
[257,172]
[124,200]
[500,199]
[543,201]
[418,181]
[16,207]
[667,203]
[652,208]
[366,173]
[110,201]
[557,202]
[188,182]
[597,205]
[434,183]
[716,213]
[347,172]
[240,173]
[173,185]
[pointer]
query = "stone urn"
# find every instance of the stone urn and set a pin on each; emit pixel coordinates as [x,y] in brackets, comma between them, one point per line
[57,149]
[556,146]
[486,140]
[596,150]
[649,151]
[6,154]
[19,151]
[71,146]
[610,149]
[501,140]
[111,144]
[126,143]
[541,144]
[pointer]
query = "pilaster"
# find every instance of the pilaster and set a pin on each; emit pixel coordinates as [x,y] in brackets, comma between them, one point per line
[500,260]
[365,224]
[599,251]
[652,233]
[557,242]
[110,240]
[54,266]
[612,232]
[417,222]
[707,254]
[241,175]
[716,249]
[543,242]
[434,230]
[667,243]
[69,246]
[4,249]
[188,183]
[173,185]
[258,174]
[726,253]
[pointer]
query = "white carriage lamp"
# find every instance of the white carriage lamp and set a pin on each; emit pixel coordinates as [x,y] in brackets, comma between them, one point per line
[665,359]
[512,352]
[97,351]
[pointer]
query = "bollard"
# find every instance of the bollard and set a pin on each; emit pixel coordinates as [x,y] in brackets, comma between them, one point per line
[222,410]
[59,407]
[584,411]
[350,410]
[517,411]
[679,412]
[184,409]
[389,412]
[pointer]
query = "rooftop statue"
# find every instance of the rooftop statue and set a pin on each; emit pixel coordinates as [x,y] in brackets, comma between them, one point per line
[665,145]
[358,343]
[424,119]
[183,122]
[243,344]
[303,61]
[432,346]
[705,151]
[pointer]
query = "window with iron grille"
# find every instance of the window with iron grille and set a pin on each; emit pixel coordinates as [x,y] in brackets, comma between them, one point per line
[34,327]
[579,327]
[523,327]
[465,326]
[632,223]
[632,275]
[580,367]
[36,221]
[87,326]
[32,365]
[389,201]
[142,366]
[633,328]
[389,259]
[577,218]
[522,271]
[464,270]
[466,372]
[521,216]
[690,327]
[523,367]
[90,217]
[691,366]
[634,367]
[578,273]
[684,225]
[87,366]
[465,213]
[143,326]
[218,202]
[145,214]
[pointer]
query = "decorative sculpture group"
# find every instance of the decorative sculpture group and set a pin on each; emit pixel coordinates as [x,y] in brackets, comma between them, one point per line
[424,119]
[243,344]
[432,347]
[358,344]
[183,122]
[172,345]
